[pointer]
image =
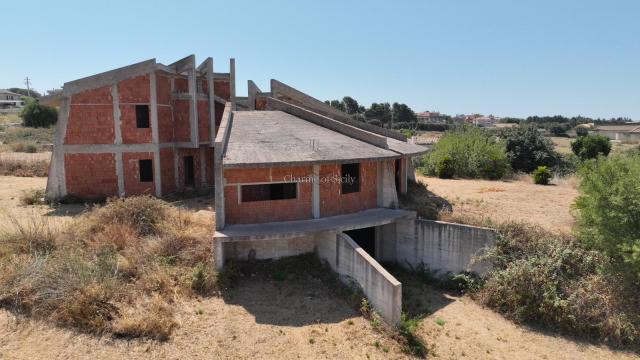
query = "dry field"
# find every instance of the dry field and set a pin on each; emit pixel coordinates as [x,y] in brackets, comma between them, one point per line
[500,201]
[292,319]
[563,145]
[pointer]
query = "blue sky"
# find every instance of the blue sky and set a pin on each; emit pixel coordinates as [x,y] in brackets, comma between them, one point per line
[513,58]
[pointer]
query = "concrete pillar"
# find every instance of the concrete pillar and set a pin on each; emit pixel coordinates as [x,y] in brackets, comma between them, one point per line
[218,253]
[120,173]
[212,102]
[193,106]
[315,192]
[116,113]
[219,192]
[232,82]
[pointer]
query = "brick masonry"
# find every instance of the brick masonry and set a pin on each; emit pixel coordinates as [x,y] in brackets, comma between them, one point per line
[91,176]
[266,211]
[132,183]
[333,202]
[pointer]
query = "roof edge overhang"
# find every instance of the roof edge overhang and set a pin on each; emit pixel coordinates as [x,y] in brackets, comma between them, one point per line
[109,77]
[307,162]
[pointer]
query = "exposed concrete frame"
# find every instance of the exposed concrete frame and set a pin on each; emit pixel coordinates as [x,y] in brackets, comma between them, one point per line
[219,149]
[310,103]
[56,182]
[315,192]
[329,123]
[109,77]
[252,90]
[155,137]
[232,83]
[207,68]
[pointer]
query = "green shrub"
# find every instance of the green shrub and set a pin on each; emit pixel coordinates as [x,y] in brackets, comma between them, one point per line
[36,115]
[609,208]
[413,344]
[33,197]
[542,175]
[473,152]
[24,147]
[527,148]
[203,279]
[444,168]
[566,164]
[581,131]
[591,146]
[553,280]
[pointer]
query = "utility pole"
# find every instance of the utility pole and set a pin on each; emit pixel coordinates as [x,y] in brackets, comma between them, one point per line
[27,82]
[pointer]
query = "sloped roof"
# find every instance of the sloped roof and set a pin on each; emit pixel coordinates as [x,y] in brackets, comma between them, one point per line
[269,138]
[632,128]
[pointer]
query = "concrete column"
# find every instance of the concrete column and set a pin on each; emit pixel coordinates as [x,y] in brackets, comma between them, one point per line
[117,124]
[157,173]
[232,82]
[193,108]
[56,182]
[176,163]
[212,102]
[403,175]
[219,192]
[218,253]
[315,192]
[153,108]
[120,172]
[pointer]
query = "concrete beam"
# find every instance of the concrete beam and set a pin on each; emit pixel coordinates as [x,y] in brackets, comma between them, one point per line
[288,94]
[184,64]
[109,77]
[232,82]
[327,122]
[252,90]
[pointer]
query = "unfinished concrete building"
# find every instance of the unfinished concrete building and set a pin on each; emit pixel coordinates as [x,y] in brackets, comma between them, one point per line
[146,128]
[291,174]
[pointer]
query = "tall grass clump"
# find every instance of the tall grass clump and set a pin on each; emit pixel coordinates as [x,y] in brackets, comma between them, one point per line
[23,168]
[116,269]
[555,281]
[467,152]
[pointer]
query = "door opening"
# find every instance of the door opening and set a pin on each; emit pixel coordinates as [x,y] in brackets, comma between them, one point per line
[189,178]
[398,167]
[366,238]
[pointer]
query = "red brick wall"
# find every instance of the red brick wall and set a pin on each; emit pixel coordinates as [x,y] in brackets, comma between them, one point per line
[167,171]
[221,88]
[266,211]
[132,184]
[91,118]
[91,175]
[135,90]
[181,84]
[333,202]
[130,132]
[203,120]
[261,103]
[165,124]
[163,89]
[181,120]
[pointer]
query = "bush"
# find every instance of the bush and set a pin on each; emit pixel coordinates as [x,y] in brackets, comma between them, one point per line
[33,197]
[552,280]
[98,273]
[591,146]
[36,115]
[609,204]
[566,164]
[528,149]
[444,168]
[542,175]
[23,168]
[24,147]
[581,131]
[434,127]
[474,153]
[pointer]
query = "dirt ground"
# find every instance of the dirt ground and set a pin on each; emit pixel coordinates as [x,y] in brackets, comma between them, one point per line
[500,201]
[297,318]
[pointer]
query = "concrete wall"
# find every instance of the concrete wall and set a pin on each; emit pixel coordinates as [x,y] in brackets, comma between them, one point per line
[350,260]
[442,246]
[268,249]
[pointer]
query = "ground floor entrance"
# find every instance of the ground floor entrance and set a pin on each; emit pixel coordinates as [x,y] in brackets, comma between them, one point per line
[365,238]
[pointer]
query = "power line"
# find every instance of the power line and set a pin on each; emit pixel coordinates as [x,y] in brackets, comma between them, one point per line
[27,82]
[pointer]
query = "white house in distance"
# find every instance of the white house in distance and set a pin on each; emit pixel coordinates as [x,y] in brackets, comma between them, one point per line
[432,117]
[10,99]
[627,132]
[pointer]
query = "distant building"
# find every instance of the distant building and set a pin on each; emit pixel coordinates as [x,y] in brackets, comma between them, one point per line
[432,117]
[629,131]
[485,121]
[10,99]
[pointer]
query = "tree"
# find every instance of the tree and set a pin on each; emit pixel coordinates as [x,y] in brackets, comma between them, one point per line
[25,92]
[380,112]
[609,208]
[403,114]
[591,146]
[581,131]
[36,115]
[350,105]
[527,148]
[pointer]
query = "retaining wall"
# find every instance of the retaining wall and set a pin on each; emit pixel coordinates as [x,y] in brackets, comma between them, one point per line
[444,246]
[381,288]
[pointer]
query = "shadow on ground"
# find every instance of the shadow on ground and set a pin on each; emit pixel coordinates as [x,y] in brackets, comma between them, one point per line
[295,291]
[419,199]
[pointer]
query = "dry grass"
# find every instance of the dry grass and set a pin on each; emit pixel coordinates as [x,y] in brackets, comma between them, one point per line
[486,202]
[24,164]
[113,269]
